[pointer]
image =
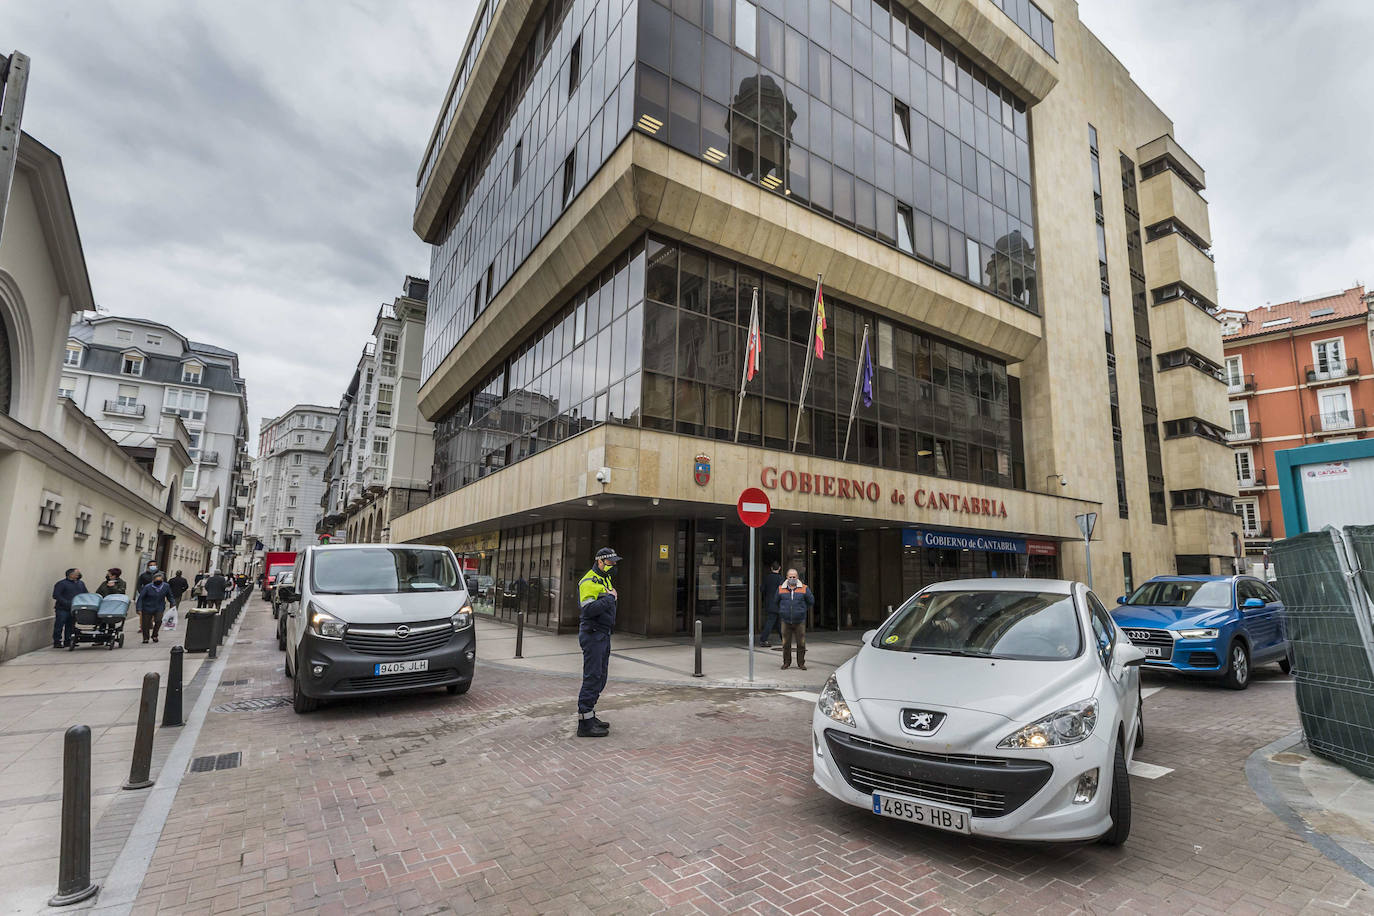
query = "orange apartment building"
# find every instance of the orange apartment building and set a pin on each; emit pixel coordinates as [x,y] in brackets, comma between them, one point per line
[1296,373]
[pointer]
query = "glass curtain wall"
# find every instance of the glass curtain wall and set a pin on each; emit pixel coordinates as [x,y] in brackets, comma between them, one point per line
[857,111]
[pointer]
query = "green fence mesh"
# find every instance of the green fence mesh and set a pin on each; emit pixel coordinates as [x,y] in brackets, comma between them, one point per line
[1328,622]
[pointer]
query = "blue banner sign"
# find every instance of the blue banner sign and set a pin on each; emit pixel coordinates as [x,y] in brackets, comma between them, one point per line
[951,540]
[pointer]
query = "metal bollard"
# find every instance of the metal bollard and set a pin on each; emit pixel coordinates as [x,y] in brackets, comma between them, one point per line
[520,634]
[171,710]
[142,763]
[214,637]
[74,867]
[696,637]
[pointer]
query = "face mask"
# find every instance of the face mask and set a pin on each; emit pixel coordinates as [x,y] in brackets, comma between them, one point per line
[793,582]
[610,571]
[152,569]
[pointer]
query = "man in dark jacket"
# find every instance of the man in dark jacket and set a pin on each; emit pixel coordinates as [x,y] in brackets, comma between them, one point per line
[178,586]
[597,598]
[794,602]
[215,588]
[64,623]
[146,576]
[152,601]
[771,580]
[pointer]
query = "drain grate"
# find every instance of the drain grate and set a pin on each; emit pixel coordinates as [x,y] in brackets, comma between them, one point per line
[253,704]
[236,683]
[216,762]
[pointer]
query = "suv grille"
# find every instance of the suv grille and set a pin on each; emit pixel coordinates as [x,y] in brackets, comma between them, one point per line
[375,640]
[1159,639]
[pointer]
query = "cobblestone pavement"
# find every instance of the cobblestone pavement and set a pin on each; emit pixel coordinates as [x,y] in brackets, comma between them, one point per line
[700,801]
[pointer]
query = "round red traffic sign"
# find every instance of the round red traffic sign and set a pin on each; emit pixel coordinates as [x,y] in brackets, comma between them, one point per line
[754,508]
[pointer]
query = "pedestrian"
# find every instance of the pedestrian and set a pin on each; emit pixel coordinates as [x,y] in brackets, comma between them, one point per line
[198,590]
[113,585]
[215,589]
[146,576]
[794,602]
[771,580]
[152,601]
[64,622]
[178,585]
[597,597]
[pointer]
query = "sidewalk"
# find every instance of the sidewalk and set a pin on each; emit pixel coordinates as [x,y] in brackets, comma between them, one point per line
[670,659]
[42,694]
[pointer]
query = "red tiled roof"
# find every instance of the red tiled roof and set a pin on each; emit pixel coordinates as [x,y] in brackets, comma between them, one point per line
[1349,304]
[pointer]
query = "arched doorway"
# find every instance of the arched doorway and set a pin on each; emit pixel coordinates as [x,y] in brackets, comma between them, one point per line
[6,365]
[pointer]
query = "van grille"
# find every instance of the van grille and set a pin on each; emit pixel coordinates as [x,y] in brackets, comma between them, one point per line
[400,681]
[423,637]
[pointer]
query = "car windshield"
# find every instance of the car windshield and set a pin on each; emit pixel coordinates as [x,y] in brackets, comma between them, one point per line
[383,570]
[1039,626]
[1184,593]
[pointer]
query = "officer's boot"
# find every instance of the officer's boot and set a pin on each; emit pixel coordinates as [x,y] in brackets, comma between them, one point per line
[602,722]
[591,728]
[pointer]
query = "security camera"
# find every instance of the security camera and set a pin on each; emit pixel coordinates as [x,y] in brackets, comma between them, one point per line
[603,475]
[1063,482]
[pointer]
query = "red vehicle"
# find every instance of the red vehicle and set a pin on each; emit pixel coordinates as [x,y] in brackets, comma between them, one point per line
[274,562]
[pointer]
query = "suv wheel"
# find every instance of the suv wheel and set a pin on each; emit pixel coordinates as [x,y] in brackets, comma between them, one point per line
[1237,676]
[299,701]
[1120,808]
[1286,664]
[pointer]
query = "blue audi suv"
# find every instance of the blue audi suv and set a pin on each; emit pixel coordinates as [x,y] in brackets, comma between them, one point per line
[1221,626]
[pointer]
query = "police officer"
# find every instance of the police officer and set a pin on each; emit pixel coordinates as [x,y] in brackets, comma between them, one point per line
[597,597]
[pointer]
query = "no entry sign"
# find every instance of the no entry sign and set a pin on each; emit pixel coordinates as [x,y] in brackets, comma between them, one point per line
[754,508]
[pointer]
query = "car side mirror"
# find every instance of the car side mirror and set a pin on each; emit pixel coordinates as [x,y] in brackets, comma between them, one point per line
[1120,599]
[1253,602]
[287,592]
[1129,655]
[870,635]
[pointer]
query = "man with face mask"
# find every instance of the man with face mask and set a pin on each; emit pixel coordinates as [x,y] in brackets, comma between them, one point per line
[597,597]
[147,576]
[794,602]
[64,622]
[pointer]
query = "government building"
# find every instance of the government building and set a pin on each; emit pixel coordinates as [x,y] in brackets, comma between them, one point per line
[963,229]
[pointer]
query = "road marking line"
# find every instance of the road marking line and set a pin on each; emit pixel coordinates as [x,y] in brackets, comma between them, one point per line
[1147,770]
[1149,691]
[802,695]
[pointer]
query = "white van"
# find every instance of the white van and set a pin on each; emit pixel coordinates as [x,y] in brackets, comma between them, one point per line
[366,619]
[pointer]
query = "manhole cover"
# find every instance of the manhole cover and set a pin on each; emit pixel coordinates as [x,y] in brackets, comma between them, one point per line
[1289,758]
[252,704]
[216,762]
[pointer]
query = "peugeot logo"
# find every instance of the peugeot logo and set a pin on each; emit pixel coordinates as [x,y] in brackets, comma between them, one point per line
[402,631]
[1137,635]
[922,721]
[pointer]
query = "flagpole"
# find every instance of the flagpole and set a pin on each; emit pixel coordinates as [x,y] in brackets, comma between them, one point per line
[806,372]
[744,369]
[854,401]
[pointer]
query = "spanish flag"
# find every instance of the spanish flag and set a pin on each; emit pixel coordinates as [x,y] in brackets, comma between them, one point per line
[820,321]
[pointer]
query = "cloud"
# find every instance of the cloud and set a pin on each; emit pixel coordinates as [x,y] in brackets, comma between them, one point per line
[245,172]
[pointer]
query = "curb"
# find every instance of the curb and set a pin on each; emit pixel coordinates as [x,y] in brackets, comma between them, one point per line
[1257,773]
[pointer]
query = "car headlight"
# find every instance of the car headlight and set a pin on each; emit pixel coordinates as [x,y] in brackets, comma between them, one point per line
[1199,633]
[833,704]
[326,624]
[1069,725]
[463,619]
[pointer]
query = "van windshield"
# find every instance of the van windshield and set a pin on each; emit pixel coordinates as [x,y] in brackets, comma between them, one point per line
[383,571]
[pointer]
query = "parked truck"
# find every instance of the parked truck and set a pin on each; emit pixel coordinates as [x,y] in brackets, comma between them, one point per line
[274,562]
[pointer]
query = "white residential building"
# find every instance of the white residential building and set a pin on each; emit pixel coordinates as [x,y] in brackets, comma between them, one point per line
[126,374]
[289,476]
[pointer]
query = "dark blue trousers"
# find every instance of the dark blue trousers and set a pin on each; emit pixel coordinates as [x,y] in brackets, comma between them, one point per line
[596,660]
[771,624]
[63,627]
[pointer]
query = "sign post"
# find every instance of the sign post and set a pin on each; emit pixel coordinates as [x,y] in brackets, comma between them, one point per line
[754,510]
[1086,522]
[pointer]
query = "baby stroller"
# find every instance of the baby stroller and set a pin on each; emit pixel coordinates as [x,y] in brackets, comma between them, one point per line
[100,621]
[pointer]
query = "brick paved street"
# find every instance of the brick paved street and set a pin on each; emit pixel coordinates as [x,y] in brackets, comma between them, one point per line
[701,801]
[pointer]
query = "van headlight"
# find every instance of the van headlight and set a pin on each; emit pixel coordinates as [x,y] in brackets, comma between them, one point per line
[1069,725]
[326,625]
[463,619]
[833,704]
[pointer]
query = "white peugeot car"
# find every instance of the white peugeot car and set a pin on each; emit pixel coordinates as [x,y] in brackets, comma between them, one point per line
[1006,708]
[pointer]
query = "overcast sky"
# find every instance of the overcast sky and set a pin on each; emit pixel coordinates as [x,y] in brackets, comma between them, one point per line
[245,171]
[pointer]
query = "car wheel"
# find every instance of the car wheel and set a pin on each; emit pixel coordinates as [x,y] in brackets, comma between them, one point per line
[281,640]
[1139,721]
[276,611]
[458,689]
[1237,676]
[299,701]
[1120,807]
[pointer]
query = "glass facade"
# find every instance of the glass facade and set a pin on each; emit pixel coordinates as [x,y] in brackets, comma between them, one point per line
[656,340]
[564,112]
[1113,393]
[1032,20]
[857,111]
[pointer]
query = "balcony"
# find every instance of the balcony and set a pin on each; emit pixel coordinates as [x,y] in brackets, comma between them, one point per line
[1333,373]
[1254,482]
[1340,421]
[1247,433]
[1240,384]
[209,459]
[1258,533]
[125,410]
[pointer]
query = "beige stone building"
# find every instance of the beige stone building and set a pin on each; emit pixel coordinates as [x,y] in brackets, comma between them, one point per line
[1019,306]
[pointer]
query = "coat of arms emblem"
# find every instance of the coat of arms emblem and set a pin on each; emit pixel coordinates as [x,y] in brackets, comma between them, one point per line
[701,471]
